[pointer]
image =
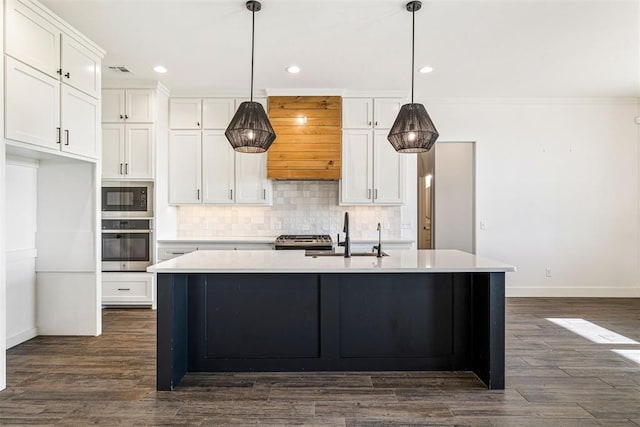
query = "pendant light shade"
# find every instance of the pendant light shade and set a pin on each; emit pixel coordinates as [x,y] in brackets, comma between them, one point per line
[413,131]
[250,130]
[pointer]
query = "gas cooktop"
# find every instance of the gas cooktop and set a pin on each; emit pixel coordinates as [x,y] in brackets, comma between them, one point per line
[304,241]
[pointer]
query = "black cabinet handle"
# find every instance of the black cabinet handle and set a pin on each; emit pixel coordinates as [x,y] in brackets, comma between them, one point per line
[126,168]
[121,116]
[120,168]
[67,75]
[66,131]
[59,71]
[124,289]
[198,194]
[59,136]
[198,124]
[126,116]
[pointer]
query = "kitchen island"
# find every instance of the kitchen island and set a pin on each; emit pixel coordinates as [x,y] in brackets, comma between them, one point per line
[230,311]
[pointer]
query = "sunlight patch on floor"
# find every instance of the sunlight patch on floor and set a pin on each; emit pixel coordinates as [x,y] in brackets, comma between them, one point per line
[591,331]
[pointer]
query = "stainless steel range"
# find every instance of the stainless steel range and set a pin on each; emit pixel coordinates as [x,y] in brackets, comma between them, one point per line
[298,241]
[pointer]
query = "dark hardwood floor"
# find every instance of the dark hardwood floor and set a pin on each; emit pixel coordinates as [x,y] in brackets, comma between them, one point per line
[555,377]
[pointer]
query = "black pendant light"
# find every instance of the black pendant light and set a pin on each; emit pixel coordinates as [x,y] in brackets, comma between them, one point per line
[413,131]
[250,130]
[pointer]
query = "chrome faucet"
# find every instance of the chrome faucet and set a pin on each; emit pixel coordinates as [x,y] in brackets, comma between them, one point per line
[347,240]
[378,247]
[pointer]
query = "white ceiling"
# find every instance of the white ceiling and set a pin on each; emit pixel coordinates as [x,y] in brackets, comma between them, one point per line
[478,48]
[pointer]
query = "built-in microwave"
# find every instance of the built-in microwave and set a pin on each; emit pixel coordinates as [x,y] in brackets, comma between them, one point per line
[121,200]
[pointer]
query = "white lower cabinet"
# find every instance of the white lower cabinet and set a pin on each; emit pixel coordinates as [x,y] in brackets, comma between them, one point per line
[372,171]
[203,168]
[121,288]
[169,250]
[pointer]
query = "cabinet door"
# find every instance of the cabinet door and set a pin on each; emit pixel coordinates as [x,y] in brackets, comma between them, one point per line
[217,112]
[185,113]
[388,171]
[32,39]
[217,168]
[80,121]
[185,167]
[139,151]
[252,186]
[32,104]
[80,67]
[357,175]
[385,112]
[139,106]
[357,113]
[113,106]
[113,151]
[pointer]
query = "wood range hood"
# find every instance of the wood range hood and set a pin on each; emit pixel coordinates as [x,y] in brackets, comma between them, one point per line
[308,144]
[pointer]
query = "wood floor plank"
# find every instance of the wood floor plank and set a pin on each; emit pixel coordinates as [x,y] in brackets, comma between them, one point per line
[554,377]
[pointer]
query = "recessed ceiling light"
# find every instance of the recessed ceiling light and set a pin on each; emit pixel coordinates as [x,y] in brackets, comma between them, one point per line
[426,69]
[159,69]
[293,69]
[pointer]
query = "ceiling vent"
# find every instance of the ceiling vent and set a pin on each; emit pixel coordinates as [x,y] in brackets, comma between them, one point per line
[120,69]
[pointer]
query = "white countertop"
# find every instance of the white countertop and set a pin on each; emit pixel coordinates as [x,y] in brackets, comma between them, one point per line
[398,261]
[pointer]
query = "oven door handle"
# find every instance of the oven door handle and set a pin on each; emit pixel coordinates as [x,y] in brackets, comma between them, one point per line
[128,231]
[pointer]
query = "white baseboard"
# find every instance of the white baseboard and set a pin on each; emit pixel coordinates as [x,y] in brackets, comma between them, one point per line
[23,336]
[538,292]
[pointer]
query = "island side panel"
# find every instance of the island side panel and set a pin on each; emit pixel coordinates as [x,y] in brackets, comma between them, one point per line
[172,330]
[488,328]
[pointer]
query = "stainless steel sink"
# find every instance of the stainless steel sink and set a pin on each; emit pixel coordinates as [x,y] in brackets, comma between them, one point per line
[314,253]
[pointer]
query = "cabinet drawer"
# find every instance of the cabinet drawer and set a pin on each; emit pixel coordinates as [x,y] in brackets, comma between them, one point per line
[123,288]
[165,254]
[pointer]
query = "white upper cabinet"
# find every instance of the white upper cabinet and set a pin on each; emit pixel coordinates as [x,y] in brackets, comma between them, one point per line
[80,67]
[38,120]
[357,113]
[217,112]
[80,122]
[185,162]
[138,151]
[385,112]
[185,113]
[217,168]
[130,106]
[388,171]
[31,38]
[113,106]
[372,171]
[113,151]
[366,113]
[252,186]
[357,167]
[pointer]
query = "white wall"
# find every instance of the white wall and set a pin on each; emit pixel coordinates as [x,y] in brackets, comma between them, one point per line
[3,295]
[557,185]
[21,208]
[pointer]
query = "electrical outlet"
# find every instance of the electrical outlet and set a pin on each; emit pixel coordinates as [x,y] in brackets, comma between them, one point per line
[205,225]
[547,272]
[483,225]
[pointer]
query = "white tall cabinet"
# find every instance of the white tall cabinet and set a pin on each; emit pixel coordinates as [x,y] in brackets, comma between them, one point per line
[128,134]
[52,107]
[203,167]
[373,173]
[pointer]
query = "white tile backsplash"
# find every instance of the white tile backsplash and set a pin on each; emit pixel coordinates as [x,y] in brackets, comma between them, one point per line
[299,207]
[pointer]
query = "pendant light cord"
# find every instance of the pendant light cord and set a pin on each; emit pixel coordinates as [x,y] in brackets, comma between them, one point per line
[413,48]
[253,30]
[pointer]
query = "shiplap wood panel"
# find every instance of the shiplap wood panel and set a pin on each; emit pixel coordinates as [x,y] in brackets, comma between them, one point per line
[309,148]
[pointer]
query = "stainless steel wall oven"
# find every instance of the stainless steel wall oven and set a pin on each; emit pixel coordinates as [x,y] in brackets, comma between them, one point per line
[126,244]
